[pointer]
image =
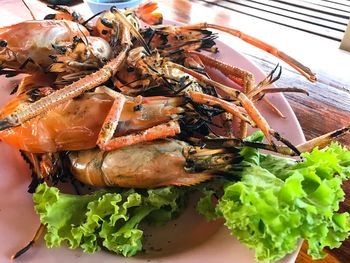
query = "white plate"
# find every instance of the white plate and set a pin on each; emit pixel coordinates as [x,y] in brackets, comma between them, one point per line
[188,239]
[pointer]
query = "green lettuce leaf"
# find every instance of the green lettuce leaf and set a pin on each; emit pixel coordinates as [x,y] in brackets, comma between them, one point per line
[206,205]
[279,202]
[104,218]
[274,206]
[276,203]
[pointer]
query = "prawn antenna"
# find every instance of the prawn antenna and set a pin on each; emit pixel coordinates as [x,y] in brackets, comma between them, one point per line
[132,29]
[89,19]
[86,40]
[30,11]
[37,235]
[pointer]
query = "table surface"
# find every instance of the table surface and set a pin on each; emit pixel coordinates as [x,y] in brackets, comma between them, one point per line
[326,108]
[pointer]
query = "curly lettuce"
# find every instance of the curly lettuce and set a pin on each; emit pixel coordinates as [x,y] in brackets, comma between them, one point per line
[107,219]
[275,203]
[278,202]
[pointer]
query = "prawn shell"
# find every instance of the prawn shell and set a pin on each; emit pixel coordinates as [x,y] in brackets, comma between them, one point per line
[71,126]
[76,124]
[146,165]
[34,39]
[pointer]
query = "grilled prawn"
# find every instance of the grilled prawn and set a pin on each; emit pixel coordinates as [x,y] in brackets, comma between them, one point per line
[122,30]
[62,43]
[77,124]
[31,45]
[152,164]
[172,162]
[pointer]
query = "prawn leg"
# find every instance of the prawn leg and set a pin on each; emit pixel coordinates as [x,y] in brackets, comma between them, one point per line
[168,129]
[305,71]
[240,76]
[273,76]
[105,139]
[239,95]
[231,109]
[202,98]
[274,108]
[111,121]
[246,103]
[243,78]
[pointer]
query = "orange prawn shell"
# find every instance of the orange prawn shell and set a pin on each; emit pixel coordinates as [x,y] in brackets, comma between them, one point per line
[71,126]
[76,124]
[34,39]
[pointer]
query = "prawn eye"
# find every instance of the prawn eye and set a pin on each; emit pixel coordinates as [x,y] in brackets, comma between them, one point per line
[50,17]
[61,49]
[130,69]
[106,23]
[77,39]
[137,107]
[3,43]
